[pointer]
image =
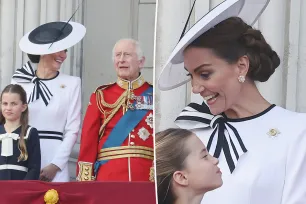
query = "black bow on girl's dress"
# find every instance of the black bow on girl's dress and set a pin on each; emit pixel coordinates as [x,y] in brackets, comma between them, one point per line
[26,74]
[224,136]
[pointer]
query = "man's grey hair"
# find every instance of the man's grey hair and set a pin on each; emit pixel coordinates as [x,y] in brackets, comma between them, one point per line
[136,44]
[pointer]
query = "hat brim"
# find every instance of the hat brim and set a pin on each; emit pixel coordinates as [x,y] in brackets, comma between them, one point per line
[76,35]
[173,73]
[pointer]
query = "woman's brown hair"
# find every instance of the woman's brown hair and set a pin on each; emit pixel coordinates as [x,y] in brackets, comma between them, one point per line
[170,156]
[24,119]
[232,39]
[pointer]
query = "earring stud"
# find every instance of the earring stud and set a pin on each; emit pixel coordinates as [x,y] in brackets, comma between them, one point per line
[241,78]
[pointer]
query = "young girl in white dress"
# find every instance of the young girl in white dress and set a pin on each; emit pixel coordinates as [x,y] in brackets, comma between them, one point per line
[19,142]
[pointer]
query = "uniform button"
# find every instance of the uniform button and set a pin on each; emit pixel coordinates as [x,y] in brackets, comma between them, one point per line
[132,136]
[132,143]
[86,168]
[86,178]
[86,173]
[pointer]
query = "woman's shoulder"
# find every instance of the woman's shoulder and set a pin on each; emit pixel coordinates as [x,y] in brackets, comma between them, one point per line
[290,119]
[285,114]
[69,81]
[69,77]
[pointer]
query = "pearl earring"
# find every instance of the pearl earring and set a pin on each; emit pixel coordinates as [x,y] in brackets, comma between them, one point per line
[241,78]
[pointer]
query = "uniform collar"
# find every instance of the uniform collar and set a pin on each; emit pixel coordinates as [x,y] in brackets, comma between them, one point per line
[125,84]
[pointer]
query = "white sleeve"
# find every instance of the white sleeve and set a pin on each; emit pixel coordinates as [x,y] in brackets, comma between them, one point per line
[295,181]
[72,127]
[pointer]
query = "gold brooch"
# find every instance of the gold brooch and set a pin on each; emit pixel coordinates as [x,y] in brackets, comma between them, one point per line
[51,197]
[273,132]
[63,86]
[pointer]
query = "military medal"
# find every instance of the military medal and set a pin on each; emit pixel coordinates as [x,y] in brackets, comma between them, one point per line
[149,120]
[143,133]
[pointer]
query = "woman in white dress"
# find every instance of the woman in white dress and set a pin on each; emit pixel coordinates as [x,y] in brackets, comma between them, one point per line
[54,98]
[261,147]
[185,171]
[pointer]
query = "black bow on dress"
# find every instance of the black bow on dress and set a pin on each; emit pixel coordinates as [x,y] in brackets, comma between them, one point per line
[224,136]
[26,74]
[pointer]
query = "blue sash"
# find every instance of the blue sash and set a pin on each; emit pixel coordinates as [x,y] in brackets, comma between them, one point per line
[122,129]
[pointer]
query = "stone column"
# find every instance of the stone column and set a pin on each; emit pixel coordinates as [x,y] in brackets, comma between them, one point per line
[272,24]
[7,16]
[292,57]
[170,21]
[301,82]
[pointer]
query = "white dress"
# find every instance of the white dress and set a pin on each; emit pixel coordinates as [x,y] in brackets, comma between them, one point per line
[58,122]
[273,170]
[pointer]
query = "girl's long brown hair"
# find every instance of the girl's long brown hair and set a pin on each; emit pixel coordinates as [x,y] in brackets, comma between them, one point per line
[24,119]
[170,155]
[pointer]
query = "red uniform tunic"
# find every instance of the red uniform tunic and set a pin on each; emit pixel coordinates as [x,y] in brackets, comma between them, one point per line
[132,161]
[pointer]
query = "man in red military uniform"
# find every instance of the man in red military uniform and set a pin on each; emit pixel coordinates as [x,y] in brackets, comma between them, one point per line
[117,135]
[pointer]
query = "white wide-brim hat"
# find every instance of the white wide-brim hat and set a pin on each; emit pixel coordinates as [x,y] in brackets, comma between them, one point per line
[173,73]
[52,37]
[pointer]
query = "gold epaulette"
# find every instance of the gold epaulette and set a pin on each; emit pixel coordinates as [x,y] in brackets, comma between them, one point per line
[112,108]
[99,96]
[104,86]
